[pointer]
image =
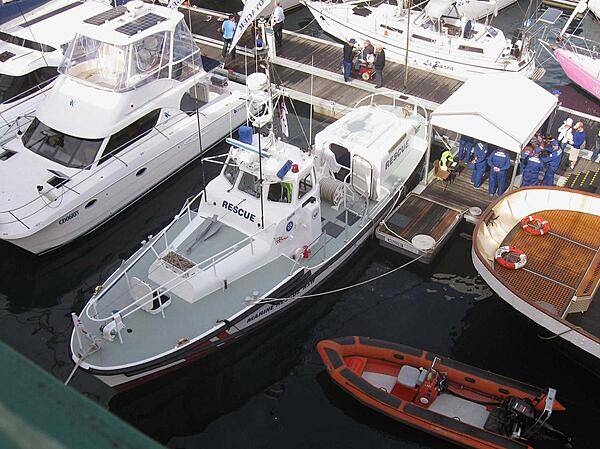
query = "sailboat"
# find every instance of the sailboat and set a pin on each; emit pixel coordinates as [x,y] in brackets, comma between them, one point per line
[122,117]
[268,230]
[441,39]
[31,48]
[578,56]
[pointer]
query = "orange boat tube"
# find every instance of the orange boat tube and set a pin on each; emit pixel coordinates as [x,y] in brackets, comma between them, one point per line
[457,402]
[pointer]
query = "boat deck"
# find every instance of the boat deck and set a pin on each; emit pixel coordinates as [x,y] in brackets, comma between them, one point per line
[560,265]
[418,215]
[460,193]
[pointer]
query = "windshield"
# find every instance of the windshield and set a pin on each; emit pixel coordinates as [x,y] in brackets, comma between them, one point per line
[119,68]
[13,88]
[67,150]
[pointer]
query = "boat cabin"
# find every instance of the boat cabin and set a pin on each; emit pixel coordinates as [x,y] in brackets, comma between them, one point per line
[365,149]
[132,45]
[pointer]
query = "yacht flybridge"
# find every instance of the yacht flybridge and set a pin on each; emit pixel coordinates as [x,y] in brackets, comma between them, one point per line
[131,95]
[31,47]
[441,39]
[243,251]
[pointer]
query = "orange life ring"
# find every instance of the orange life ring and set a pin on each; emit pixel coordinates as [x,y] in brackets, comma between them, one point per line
[535,225]
[505,256]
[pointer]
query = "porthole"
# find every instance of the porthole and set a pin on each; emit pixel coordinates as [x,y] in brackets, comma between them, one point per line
[141,171]
[91,203]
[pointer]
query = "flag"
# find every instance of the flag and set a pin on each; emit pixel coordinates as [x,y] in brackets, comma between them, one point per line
[252,9]
[174,4]
[283,117]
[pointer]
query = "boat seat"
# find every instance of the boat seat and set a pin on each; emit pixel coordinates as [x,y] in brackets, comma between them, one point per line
[411,377]
[356,364]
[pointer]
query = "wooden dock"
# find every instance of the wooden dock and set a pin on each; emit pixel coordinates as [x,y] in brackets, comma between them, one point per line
[418,216]
[309,69]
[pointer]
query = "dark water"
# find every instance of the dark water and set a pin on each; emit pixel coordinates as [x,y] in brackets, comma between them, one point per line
[271,390]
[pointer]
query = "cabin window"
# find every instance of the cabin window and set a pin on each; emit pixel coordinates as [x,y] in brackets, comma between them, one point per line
[67,150]
[13,88]
[305,185]
[469,48]
[129,135]
[281,192]
[422,38]
[231,171]
[387,27]
[249,184]
[25,43]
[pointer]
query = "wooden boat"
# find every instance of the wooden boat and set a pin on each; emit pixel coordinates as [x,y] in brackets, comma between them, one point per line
[449,399]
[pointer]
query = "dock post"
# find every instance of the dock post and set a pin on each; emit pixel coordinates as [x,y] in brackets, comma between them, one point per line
[427,153]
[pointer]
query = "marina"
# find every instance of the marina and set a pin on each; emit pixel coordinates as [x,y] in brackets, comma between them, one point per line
[287,207]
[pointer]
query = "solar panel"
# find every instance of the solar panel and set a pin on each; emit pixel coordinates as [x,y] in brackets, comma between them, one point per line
[5,56]
[140,24]
[57,11]
[105,16]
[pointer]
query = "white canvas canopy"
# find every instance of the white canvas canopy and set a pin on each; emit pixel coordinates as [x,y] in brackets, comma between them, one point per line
[504,109]
[437,8]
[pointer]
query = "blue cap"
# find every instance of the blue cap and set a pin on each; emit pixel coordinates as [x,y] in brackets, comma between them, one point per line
[352,41]
[556,92]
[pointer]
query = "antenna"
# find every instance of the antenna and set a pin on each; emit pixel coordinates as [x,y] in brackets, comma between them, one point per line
[196,106]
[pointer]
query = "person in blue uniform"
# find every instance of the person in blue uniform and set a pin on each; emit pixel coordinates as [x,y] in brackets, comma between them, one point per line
[551,156]
[479,163]
[532,167]
[465,145]
[499,163]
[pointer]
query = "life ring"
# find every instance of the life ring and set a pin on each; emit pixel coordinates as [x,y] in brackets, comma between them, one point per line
[510,257]
[535,225]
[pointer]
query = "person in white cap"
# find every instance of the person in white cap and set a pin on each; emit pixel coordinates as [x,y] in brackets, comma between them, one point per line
[565,133]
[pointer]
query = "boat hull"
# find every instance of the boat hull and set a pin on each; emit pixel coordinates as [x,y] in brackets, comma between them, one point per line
[575,339]
[131,184]
[301,283]
[348,358]
[577,73]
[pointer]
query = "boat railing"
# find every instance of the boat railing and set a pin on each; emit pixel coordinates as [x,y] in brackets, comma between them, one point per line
[398,99]
[11,216]
[584,47]
[139,303]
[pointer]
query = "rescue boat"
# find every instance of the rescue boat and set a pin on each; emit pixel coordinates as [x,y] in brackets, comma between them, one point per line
[446,398]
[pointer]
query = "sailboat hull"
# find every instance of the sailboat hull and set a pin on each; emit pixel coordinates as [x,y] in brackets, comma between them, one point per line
[573,66]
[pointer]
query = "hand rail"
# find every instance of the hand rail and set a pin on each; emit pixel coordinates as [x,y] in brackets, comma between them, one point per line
[139,303]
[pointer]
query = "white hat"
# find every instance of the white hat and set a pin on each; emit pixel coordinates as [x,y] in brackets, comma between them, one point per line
[568,121]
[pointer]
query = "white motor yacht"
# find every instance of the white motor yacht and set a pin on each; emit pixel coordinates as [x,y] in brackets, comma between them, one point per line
[31,47]
[244,251]
[122,117]
[441,39]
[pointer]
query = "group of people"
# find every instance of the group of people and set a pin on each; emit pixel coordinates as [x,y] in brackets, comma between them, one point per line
[369,55]
[480,156]
[229,26]
[540,159]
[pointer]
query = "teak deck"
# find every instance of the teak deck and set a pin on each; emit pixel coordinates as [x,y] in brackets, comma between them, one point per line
[558,264]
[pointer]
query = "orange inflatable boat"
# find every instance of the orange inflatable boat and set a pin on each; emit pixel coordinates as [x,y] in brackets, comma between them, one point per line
[457,402]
